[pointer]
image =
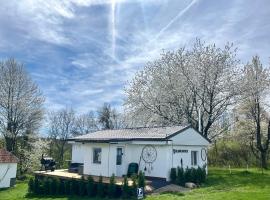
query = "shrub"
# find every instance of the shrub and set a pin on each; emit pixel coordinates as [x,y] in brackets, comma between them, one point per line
[187,175]
[134,184]
[125,188]
[112,187]
[141,179]
[31,186]
[173,175]
[100,187]
[62,187]
[67,187]
[37,186]
[58,185]
[190,175]
[203,177]
[54,186]
[46,186]
[180,179]
[74,187]
[90,187]
[193,175]
[81,187]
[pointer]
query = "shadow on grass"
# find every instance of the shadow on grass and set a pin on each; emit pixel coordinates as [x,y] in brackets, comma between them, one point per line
[174,193]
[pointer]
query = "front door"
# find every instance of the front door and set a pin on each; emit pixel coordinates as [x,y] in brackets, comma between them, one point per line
[119,161]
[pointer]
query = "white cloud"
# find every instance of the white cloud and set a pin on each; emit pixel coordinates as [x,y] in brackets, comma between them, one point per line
[67,45]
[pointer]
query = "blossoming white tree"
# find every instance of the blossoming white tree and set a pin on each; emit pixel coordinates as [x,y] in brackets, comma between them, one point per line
[182,83]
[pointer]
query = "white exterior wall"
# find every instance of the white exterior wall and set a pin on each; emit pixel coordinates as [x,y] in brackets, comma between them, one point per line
[7,171]
[187,140]
[192,141]
[132,153]
[94,168]
[186,157]
[160,166]
[77,153]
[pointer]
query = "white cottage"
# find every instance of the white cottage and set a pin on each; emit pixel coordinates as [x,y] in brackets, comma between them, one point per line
[8,169]
[156,150]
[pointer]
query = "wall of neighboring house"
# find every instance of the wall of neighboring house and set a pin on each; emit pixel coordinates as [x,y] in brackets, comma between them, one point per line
[7,172]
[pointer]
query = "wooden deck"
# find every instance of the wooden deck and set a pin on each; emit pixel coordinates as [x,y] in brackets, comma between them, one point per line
[64,174]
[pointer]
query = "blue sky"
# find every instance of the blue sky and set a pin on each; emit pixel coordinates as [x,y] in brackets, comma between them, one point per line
[82,53]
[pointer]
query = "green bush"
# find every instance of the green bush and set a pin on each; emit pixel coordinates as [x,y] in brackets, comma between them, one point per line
[100,187]
[90,187]
[195,175]
[67,184]
[125,188]
[141,179]
[31,186]
[187,174]
[112,187]
[134,184]
[54,186]
[46,186]
[81,187]
[201,175]
[62,187]
[173,175]
[37,189]
[180,179]
[74,187]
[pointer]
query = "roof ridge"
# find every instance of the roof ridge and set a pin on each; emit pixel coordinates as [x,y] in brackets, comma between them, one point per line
[141,127]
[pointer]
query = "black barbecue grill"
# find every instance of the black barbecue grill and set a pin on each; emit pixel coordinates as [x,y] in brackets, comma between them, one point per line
[47,163]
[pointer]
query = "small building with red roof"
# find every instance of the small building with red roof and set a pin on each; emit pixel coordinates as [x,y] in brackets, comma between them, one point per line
[8,169]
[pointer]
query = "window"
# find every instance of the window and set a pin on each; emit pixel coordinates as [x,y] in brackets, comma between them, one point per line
[194,155]
[97,155]
[119,154]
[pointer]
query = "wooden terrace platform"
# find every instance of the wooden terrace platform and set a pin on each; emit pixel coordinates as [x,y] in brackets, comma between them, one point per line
[64,174]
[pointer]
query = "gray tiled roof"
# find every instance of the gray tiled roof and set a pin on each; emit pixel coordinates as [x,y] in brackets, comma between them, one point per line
[155,133]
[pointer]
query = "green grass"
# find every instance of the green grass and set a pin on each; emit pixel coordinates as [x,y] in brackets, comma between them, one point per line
[220,185]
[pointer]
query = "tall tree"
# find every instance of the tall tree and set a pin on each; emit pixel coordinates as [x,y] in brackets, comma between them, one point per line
[109,118]
[20,102]
[85,123]
[255,104]
[61,124]
[181,84]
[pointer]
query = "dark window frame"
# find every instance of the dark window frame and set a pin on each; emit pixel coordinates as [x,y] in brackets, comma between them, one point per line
[194,158]
[96,157]
[119,157]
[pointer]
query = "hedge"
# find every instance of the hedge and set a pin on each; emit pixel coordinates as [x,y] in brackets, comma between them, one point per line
[180,176]
[54,186]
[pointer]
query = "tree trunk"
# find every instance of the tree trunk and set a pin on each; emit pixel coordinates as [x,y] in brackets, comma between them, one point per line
[264,159]
[9,144]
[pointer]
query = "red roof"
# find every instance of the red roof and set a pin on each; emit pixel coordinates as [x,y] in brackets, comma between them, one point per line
[7,157]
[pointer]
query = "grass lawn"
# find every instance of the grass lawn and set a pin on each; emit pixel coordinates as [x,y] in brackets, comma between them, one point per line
[220,185]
